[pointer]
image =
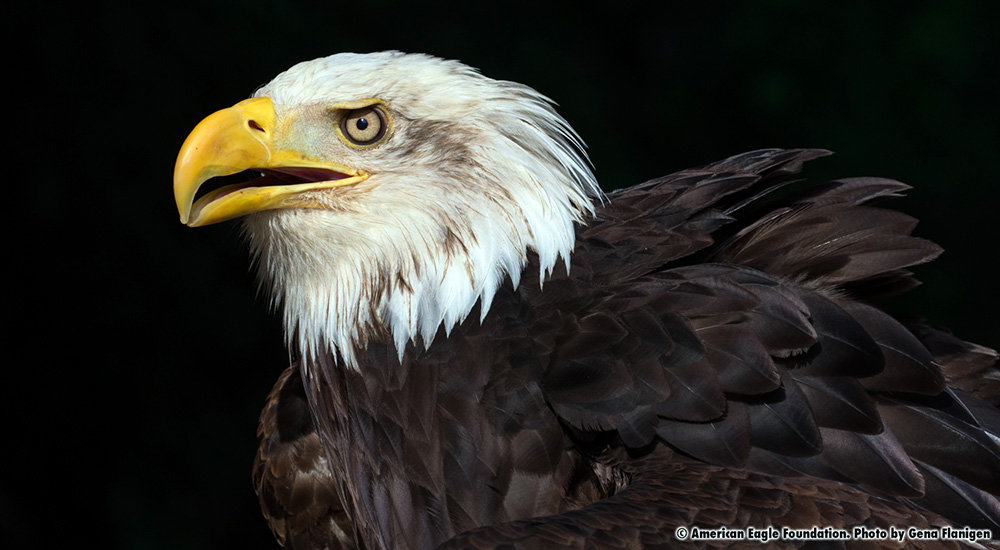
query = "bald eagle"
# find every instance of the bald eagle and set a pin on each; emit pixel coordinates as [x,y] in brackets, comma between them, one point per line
[491,353]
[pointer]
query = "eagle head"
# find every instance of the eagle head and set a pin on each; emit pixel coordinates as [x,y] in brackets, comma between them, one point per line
[391,192]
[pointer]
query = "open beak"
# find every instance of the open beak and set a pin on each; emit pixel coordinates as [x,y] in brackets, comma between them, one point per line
[241,138]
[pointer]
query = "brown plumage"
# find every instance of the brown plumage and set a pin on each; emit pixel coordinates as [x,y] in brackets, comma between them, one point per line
[490,354]
[292,476]
[709,360]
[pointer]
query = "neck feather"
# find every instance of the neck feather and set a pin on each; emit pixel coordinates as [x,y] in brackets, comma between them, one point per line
[345,279]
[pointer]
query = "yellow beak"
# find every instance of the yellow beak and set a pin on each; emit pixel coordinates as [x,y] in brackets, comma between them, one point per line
[241,138]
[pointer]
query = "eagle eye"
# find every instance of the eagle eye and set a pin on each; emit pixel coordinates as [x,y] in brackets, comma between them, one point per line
[365,126]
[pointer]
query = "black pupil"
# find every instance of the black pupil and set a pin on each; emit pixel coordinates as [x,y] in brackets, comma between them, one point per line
[362,124]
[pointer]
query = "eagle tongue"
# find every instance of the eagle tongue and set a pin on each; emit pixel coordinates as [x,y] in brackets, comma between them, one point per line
[291,175]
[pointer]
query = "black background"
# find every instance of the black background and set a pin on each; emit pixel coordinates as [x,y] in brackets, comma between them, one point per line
[139,350]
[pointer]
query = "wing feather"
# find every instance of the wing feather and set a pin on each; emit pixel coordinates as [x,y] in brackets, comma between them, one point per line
[298,494]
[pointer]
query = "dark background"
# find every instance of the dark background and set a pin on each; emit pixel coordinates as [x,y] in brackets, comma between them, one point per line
[141,352]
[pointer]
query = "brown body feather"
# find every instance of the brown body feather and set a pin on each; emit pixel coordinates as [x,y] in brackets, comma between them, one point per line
[710,359]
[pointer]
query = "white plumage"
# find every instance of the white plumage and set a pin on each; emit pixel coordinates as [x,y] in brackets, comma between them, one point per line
[476,173]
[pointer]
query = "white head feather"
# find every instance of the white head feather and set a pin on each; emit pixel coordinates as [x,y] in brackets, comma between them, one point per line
[476,172]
